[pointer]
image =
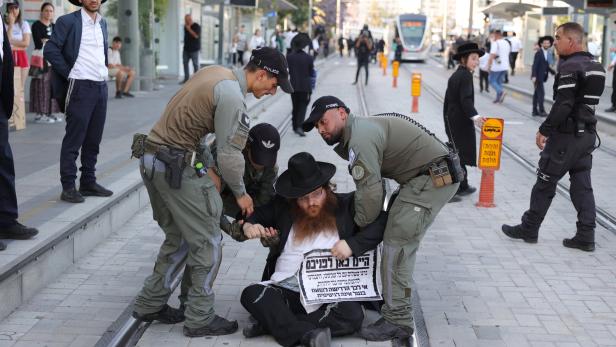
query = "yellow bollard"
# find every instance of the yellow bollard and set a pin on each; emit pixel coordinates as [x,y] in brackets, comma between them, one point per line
[415,91]
[395,72]
[384,65]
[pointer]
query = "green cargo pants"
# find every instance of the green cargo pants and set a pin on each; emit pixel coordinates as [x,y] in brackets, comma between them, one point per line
[190,218]
[411,214]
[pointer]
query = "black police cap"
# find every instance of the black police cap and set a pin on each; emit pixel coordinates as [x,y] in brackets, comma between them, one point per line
[319,107]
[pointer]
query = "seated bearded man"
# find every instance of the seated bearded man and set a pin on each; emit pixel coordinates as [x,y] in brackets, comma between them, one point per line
[304,215]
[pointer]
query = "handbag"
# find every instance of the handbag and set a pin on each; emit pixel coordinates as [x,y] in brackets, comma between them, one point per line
[37,64]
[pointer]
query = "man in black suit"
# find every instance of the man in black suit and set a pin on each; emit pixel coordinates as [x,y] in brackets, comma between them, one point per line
[301,72]
[539,75]
[9,227]
[303,216]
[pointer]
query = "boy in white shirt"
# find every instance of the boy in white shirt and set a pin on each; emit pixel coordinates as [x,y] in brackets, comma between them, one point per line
[124,75]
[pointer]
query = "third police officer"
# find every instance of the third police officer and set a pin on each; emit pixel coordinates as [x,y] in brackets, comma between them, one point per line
[390,146]
[567,138]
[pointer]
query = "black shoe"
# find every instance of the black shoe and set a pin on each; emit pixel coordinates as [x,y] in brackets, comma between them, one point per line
[2,246]
[17,231]
[167,315]
[321,337]
[516,232]
[455,198]
[118,95]
[468,191]
[581,245]
[254,330]
[300,132]
[219,326]
[382,330]
[184,81]
[354,83]
[94,190]
[72,195]
[611,109]
[128,95]
[543,114]
[536,114]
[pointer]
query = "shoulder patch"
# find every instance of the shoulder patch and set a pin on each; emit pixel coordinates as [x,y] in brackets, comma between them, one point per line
[358,172]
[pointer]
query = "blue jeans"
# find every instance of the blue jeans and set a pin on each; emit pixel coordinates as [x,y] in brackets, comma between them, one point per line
[496,79]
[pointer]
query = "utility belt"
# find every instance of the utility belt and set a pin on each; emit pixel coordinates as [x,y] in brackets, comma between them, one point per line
[174,159]
[445,170]
[579,128]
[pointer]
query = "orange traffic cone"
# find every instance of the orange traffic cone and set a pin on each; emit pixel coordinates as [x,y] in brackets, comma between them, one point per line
[486,191]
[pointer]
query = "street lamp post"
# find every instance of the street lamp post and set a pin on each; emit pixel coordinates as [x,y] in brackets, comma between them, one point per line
[470,20]
[310,18]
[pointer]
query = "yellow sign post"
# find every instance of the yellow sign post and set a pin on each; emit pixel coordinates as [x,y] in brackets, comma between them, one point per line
[415,91]
[489,158]
[395,72]
[384,65]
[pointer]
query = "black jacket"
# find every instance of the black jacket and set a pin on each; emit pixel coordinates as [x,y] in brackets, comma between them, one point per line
[458,110]
[6,67]
[540,67]
[301,68]
[277,214]
[62,50]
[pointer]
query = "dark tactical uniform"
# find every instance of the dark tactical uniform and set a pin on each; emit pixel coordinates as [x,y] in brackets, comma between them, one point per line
[393,147]
[571,132]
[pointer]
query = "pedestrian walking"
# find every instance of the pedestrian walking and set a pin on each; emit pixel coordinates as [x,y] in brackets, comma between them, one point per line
[19,36]
[79,64]
[192,46]
[566,140]
[10,228]
[242,44]
[363,45]
[613,97]
[341,45]
[539,75]
[484,84]
[301,70]
[41,102]
[516,50]
[396,147]
[459,113]
[498,64]
[256,41]
[185,196]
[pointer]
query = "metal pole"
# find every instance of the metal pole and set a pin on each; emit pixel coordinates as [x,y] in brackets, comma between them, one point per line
[338,24]
[470,20]
[148,70]
[221,33]
[128,28]
[310,18]
[446,2]
[548,20]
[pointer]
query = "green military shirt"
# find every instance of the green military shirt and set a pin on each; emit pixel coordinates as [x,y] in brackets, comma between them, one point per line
[380,147]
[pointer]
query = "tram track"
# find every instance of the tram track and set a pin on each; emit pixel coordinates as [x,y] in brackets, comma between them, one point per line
[604,218]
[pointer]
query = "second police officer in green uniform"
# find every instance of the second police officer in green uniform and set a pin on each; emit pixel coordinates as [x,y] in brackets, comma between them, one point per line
[388,146]
[185,202]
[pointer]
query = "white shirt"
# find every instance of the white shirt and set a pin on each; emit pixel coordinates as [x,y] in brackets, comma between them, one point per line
[288,37]
[256,42]
[90,64]
[483,62]
[19,31]
[516,44]
[114,57]
[501,49]
[2,39]
[545,53]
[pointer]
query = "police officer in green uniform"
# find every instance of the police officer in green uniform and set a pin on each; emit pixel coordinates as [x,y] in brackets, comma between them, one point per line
[184,198]
[260,173]
[389,146]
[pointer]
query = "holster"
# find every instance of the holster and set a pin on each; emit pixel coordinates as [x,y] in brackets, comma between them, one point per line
[174,165]
[453,162]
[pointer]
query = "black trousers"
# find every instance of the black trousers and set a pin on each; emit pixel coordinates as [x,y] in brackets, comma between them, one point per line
[300,102]
[8,198]
[538,97]
[513,56]
[484,84]
[362,63]
[86,111]
[282,315]
[464,184]
[240,57]
[565,153]
[190,56]
[614,87]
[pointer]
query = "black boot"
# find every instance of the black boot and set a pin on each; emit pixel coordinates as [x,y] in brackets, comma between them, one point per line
[17,231]
[2,246]
[517,232]
[72,195]
[382,330]
[218,326]
[94,190]
[167,315]
[468,190]
[253,329]
[321,337]
[581,245]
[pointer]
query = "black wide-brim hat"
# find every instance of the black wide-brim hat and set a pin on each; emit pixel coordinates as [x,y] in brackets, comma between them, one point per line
[549,38]
[467,48]
[303,176]
[77,3]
